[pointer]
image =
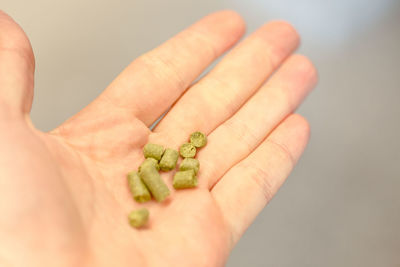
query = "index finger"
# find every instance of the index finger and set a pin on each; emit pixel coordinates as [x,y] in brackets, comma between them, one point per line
[153,82]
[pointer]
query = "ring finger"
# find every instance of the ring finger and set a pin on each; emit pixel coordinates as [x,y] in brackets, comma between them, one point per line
[240,135]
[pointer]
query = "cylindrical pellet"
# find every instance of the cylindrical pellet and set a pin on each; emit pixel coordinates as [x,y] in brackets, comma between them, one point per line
[149,161]
[190,164]
[151,178]
[139,217]
[184,179]
[169,159]
[153,151]
[198,139]
[187,150]
[138,188]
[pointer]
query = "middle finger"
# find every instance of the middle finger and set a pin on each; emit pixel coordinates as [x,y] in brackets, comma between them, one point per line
[223,91]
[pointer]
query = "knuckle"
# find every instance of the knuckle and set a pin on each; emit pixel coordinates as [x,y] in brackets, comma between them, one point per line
[242,134]
[205,43]
[163,67]
[222,102]
[262,179]
[282,151]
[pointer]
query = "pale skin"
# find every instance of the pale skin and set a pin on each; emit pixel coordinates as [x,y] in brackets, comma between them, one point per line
[64,197]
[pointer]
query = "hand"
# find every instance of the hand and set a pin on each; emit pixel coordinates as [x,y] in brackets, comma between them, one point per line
[64,194]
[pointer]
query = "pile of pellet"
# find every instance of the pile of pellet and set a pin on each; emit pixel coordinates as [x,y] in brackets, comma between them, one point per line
[146,181]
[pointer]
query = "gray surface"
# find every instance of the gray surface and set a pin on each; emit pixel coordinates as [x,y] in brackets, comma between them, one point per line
[341,206]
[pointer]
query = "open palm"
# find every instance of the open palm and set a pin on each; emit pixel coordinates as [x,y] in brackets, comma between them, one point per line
[64,197]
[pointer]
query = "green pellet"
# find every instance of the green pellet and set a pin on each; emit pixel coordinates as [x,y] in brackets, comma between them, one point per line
[198,139]
[138,188]
[190,164]
[153,151]
[184,179]
[149,161]
[151,178]
[139,217]
[187,150]
[169,159]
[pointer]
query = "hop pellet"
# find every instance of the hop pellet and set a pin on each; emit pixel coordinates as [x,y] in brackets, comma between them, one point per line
[169,159]
[139,217]
[151,178]
[189,164]
[149,161]
[187,150]
[139,190]
[153,151]
[184,179]
[198,139]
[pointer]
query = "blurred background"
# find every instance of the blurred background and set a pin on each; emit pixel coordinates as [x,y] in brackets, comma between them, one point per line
[341,205]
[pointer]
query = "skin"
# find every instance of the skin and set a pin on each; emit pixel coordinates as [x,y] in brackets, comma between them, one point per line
[64,197]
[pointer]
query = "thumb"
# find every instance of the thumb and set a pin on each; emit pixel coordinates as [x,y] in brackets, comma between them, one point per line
[17,65]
